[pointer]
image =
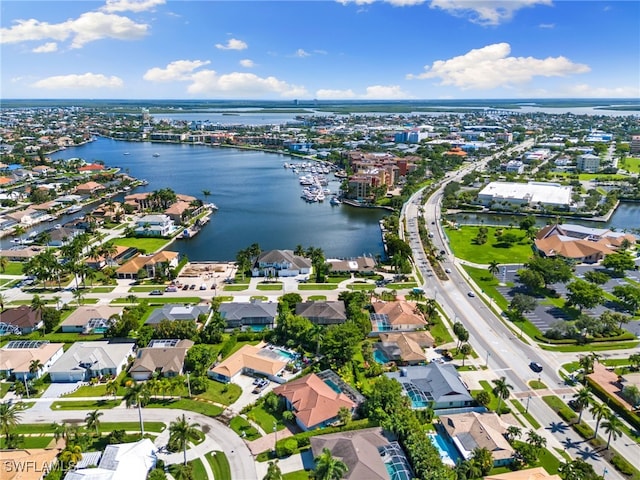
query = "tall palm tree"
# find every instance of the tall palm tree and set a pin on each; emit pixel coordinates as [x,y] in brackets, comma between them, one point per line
[137,394]
[599,411]
[4,261]
[9,418]
[328,467]
[71,455]
[493,267]
[93,420]
[182,471]
[182,431]
[613,426]
[273,471]
[59,431]
[112,387]
[502,391]
[582,399]
[35,366]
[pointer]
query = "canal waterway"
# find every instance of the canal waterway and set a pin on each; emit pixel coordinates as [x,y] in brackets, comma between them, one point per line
[258,200]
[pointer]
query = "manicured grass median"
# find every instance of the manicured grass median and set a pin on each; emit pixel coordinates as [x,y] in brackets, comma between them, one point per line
[149,245]
[85,405]
[219,465]
[461,242]
[185,404]
[317,286]
[269,286]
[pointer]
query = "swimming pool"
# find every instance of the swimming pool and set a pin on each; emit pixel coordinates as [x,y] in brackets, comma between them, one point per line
[379,356]
[447,450]
[286,354]
[333,386]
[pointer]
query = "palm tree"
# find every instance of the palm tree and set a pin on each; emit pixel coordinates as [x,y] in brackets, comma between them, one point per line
[112,387]
[71,455]
[137,394]
[599,411]
[93,420]
[328,468]
[182,471]
[493,267]
[465,351]
[613,426]
[35,366]
[501,390]
[9,418]
[182,431]
[4,261]
[582,399]
[273,472]
[513,432]
[78,294]
[59,431]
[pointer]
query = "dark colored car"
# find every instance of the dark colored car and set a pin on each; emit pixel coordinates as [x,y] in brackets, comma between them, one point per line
[535,366]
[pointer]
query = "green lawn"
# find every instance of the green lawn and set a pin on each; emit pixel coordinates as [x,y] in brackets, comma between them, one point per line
[222,393]
[85,405]
[360,286]
[185,404]
[493,405]
[159,300]
[4,388]
[148,245]
[105,427]
[317,298]
[630,164]
[244,429]
[32,442]
[269,286]
[13,268]
[461,242]
[317,286]
[235,288]
[219,465]
[488,284]
[264,419]
[102,289]
[297,475]
[197,469]
[518,405]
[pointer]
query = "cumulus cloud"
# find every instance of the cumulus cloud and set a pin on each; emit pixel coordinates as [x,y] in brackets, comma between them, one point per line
[329,94]
[206,82]
[88,27]
[547,25]
[385,92]
[209,83]
[485,12]
[247,63]
[491,67]
[131,5]
[85,80]
[232,44]
[301,53]
[46,48]
[180,70]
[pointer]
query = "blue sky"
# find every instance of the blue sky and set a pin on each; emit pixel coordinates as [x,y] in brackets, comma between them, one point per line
[363,49]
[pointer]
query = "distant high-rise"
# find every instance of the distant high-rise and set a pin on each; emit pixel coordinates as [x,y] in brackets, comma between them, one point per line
[635,144]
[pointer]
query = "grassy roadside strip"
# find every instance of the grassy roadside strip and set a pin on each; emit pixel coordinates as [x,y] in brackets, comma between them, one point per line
[219,465]
[521,409]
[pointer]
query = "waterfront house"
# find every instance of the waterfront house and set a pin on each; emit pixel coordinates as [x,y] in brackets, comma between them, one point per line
[22,319]
[130,461]
[121,254]
[435,385]
[109,211]
[91,168]
[88,188]
[164,357]
[154,264]
[365,452]
[361,265]
[281,263]
[85,360]
[26,217]
[398,315]
[406,348]
[249,314]
[90,319]
[62,236]
[177,312]
[22,253]
[255,360]
[313,402]
[17,355]
[155,226]
[323,312]
[472,430]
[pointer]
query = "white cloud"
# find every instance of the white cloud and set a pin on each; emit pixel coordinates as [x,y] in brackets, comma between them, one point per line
[247,63]
[584,90]
[46,48]
[547,25]
[131,5]
[385,92]
[238,84]
[88,27]
[232,44]
[329,94]
[491,67]
[180,70]
[483,12]
[301,53]
[85,80]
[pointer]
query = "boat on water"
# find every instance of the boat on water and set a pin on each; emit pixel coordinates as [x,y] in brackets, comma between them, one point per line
[57,226]
[74,209]
[156,154]
[335,201]
[126,153]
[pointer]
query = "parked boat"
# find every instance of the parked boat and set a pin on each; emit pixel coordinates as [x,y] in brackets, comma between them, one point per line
[335,201]
[126,153]
[74,209]
[156,154]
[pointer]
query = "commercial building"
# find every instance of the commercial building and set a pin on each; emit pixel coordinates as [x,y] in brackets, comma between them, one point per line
[532,194]
[588,163]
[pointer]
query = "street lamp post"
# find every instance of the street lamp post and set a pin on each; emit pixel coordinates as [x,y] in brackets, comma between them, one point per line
[275,437]
[526,410]
[486,363]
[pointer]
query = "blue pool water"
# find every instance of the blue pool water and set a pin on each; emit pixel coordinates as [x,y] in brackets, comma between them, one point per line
[380,357]
[447,450]
[332,385]
[288,355]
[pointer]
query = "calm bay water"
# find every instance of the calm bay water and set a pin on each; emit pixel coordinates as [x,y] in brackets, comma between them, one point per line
[258,200]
